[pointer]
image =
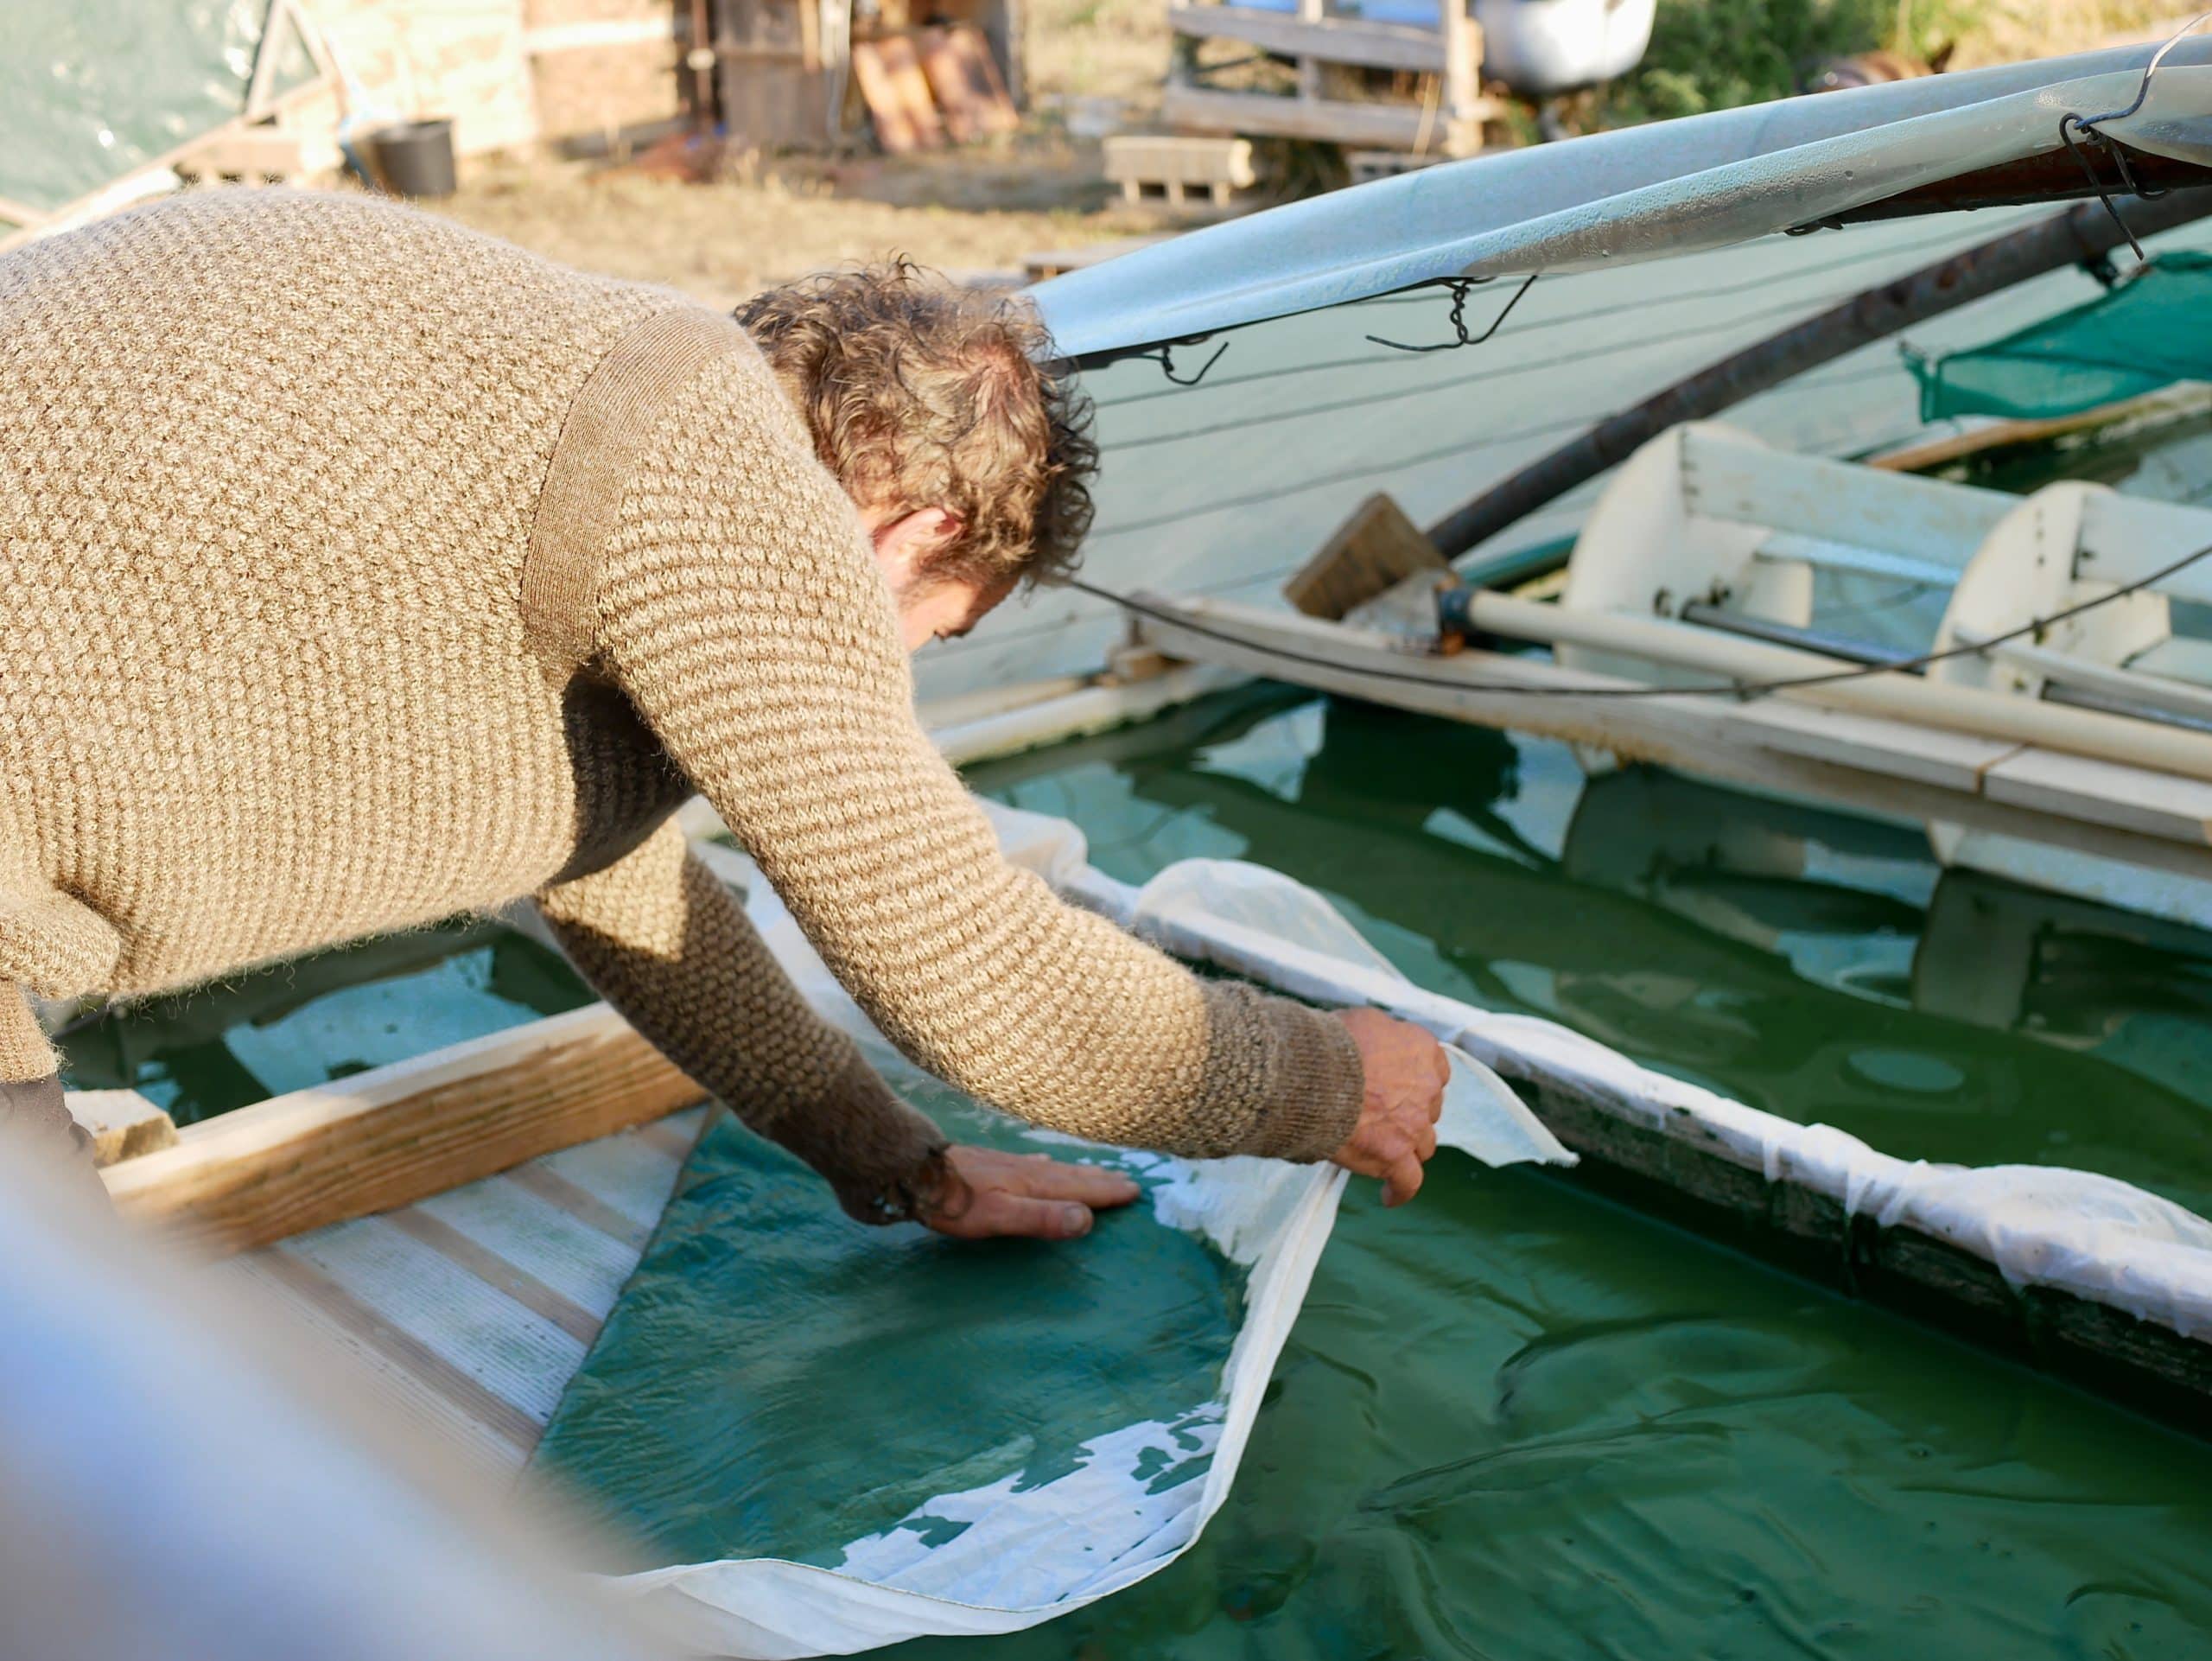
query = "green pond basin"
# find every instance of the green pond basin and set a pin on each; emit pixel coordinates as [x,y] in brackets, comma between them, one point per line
[1516,1419]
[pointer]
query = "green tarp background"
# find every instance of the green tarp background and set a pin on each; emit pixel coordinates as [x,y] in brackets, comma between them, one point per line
[90,89]
[2146,334]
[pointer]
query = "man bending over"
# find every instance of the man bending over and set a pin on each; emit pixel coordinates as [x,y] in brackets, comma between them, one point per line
[357,570]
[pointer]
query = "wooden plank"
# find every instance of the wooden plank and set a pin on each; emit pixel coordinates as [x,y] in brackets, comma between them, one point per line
[583,1263]
[1922,455]
[2128,799]
[253,156]
[394,1134]
[1951,760]
[1732,478]
[597,34]
[1337,121]
[1165,158]
[470,1325]
[122,1123]
[488,1452]
[581,1204]
[1338,40]
[626,1173]
[495,1271]
[897,94]
[673,1137]
[480,1407]
[965,83]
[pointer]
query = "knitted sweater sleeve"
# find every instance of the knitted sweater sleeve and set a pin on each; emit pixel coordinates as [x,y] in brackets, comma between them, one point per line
[669,947]
[24,1052]
[740,608]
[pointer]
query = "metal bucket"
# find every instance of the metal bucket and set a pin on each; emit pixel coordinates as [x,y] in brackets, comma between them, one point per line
[413,158]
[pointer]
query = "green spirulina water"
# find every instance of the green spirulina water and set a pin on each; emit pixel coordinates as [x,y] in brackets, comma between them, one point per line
[1519,1421]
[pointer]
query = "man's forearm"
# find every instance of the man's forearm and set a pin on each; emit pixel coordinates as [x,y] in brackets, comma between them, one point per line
[669,946]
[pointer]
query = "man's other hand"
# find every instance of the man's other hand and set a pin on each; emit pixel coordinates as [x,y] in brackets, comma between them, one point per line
[1406,1071]
[992,1194]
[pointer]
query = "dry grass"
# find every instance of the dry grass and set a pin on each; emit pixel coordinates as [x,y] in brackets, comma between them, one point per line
[2005,31]
[1099,49]
[964,213]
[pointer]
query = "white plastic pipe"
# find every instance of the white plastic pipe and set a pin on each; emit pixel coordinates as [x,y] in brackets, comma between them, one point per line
[1898,697]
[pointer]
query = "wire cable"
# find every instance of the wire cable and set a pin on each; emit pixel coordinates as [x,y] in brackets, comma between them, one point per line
[1735,689]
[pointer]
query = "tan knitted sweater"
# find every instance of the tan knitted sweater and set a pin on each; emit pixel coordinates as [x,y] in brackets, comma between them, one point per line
[271,469]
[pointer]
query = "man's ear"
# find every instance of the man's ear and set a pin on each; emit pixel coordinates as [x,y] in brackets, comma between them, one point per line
[905,546]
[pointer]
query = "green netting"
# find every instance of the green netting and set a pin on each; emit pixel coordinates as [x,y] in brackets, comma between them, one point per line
[90,89]
[2144,334]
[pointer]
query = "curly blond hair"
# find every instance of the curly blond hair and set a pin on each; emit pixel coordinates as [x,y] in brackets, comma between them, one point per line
[919,394]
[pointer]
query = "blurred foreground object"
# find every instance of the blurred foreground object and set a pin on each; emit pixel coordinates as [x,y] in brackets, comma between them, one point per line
[287,1520]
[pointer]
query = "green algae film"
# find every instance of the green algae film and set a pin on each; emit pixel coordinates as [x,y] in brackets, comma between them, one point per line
[777,1380]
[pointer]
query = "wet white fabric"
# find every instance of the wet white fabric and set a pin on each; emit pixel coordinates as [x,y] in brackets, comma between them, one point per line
[2075,1232]
[1024,1554]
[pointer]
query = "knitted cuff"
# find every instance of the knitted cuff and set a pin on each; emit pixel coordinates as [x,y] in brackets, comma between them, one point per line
[1295,1070]
[885,1160]
[37,1110]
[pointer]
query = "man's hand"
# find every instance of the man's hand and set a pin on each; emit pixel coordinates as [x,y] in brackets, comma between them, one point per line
[1406,1074]
[988,1195]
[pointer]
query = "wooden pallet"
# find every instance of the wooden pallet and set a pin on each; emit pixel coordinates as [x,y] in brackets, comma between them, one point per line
[1168,169]
[253,157]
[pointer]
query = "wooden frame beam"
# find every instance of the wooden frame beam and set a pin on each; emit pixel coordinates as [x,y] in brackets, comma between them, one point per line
[400,1133]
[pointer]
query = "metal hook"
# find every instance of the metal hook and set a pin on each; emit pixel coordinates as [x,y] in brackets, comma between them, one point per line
[1461,287]
[2071,123]
[2067,124]
[1165,357]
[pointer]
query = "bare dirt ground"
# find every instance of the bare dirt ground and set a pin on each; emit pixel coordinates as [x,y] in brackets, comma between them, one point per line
[965,214]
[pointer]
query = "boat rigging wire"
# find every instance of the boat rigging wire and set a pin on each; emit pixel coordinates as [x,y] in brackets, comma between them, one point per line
[1735,689]
[1461,287]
